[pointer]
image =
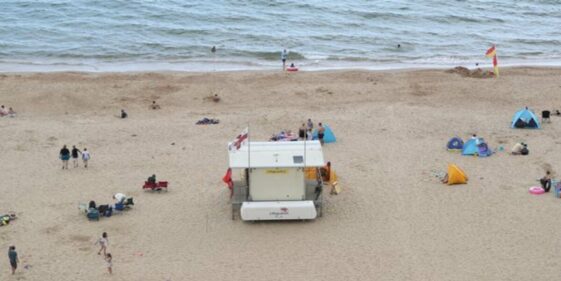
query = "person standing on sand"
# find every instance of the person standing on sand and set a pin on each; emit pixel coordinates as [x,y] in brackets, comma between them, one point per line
[302,132]
[64,156]
[75,153]
[85,157]
[321,132]
[14,260]
[103,242]
[310,124]
[284,56]
[109,260]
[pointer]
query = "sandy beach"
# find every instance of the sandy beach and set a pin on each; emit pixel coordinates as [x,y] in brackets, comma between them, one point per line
[393,220]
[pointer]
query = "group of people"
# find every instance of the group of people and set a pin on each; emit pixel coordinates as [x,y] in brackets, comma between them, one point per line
[306,131]
[65,155]
[7,112]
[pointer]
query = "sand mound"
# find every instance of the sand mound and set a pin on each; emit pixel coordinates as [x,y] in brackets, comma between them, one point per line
[478,73]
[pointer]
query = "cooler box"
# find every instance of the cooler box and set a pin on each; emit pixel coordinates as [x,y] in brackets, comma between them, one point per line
[278,210]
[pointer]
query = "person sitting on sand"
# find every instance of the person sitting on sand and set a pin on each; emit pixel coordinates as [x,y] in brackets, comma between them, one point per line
[123,114]
[546,181]
[11,112]
[152,179]
[517,148]
[3,111]
[524,150]
[154,105]
[120,198]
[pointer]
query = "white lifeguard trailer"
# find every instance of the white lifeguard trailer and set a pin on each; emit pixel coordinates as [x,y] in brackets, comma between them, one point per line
[278,180]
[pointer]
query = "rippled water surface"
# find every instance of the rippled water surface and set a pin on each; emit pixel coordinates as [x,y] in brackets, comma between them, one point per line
[111,34]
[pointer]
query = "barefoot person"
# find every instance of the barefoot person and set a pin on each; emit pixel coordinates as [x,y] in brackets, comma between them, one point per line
[103,242]
[14,260]
[109,261]
[75,153]
[64,156]
[85,157]
[321,132]
[302,132]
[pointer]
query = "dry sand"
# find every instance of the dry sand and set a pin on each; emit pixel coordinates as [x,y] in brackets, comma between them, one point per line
[393,220]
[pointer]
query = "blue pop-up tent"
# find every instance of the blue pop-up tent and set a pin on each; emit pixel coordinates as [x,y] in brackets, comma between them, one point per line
[525,118]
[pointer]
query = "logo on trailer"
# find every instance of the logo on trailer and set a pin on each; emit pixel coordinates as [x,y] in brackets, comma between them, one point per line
[282,211]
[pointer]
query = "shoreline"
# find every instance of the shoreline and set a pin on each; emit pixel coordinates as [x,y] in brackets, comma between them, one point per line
[231,66]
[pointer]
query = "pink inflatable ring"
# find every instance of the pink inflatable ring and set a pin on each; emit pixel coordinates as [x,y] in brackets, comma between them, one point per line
[537,190]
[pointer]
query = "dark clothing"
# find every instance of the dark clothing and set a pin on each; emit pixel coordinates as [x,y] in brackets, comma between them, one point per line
[546,184]
[13,256]
[123,114]
[320,136]
[74,152]
[152,179]
[64,152]
[302,133]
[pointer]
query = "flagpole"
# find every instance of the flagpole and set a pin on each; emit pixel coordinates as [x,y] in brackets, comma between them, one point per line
[248,148]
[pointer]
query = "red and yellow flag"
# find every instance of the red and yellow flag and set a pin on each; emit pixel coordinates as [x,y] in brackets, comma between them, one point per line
[492,53]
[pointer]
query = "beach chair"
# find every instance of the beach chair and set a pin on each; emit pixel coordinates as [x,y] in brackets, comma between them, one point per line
[161,185]
[545,116]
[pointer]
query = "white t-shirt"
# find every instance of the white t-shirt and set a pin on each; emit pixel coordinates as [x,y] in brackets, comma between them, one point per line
[103,242]
[86,155]
[120,197]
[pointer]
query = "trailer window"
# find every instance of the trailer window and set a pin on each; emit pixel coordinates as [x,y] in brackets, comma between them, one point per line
[298,159]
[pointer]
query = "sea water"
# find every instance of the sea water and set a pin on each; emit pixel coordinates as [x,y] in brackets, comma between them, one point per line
[128,35]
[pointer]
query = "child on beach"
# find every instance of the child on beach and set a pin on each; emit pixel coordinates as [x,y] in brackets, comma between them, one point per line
[103,241]
[85,157]
[64,156]
[109,260]
[11,112]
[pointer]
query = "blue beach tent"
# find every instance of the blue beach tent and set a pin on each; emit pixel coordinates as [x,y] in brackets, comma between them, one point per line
[525,118]
[328,136]
[470,148]
[455,144]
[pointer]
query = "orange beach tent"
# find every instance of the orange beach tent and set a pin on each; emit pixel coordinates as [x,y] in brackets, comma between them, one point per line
[456,175]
